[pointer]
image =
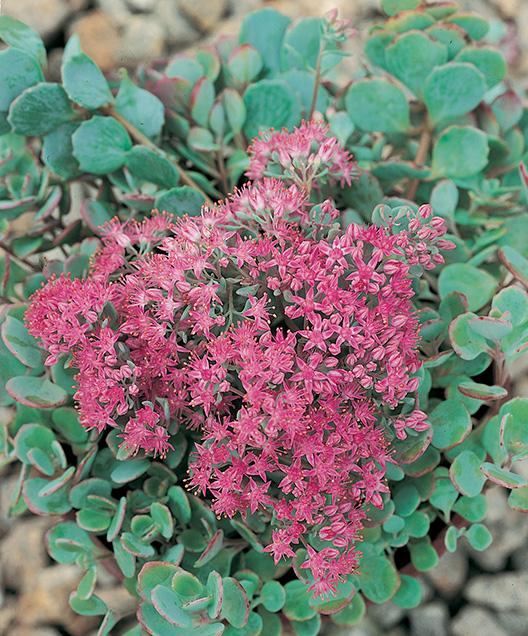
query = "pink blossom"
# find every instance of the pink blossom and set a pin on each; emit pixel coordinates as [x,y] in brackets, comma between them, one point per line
[281,343]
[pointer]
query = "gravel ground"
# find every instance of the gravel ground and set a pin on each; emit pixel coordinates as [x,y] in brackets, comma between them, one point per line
[470,593]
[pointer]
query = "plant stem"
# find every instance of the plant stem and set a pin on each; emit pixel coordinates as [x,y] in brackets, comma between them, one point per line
[21,259]
[317,83]
[421,156]
[142,139]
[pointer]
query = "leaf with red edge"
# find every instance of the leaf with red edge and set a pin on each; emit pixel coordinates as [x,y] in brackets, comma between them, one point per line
[36,392]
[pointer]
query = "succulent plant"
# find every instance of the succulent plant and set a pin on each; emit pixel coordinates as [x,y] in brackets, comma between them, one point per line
[432,117]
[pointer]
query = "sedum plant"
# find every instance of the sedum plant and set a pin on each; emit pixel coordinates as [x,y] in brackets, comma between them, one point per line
[266,412]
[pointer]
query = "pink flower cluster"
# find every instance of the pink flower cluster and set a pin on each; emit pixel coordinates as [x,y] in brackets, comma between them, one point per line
[283,342]
[306,157]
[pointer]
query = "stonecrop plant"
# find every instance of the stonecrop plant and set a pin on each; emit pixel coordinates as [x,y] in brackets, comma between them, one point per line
[258,325]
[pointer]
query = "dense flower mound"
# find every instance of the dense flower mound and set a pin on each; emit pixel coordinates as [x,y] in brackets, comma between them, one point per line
[286,343]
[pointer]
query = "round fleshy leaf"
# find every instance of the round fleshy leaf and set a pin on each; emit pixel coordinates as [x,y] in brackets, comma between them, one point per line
[476,284]
[453,90]
[212,548]
[129,470]
[483,392]
[479,537]
[515,263]
[272,596]
[443,496]
[467,344]
[451,423]
[140,107]
[18,71]
[311,627]
[162,518]
[475,26]
[84,81]
[471,508]
[181,200]
[20,36]
[352,613]
[265,30]
[57,151]
[412,56]
[125,560]
[409,593]
[494,329]
[244,64]
[94,486]
[489,61]
[515,429]
[297,605]
[235,603]
[93,606]
[406,499]
[333,603]
[377,105]
[55,503]
[66,542]
[36,392]
[179,504]
[451,539]
[417,524]
[508,109]
[169,606]
[21,344]
[153,574]
[393,524]
[100,145]
[270,104]
[377,578]
[511,303]
[393,7]
[424,464]
[66,422]
[466,475]
[518,499]
[503,477]
[40,109]
[135,546]
[147,165]
[153,623]
[460,152]
[423,556]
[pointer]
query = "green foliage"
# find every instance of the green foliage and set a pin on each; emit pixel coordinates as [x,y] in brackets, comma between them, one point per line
[432,119]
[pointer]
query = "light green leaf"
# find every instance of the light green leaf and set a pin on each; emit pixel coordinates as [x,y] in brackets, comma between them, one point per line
[377,105]
[84,82]
[453,90]
[100,145]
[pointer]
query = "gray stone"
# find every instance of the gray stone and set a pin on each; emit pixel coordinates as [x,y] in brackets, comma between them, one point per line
[429,620]
[33,631]
[46,601]
[366,628]
[142,41]
[386,615]
[142,5]
[100,38]
[204,15]
[178,30]
[475,621]
[47,18]
[23,552]
[508,528]
[501,592]
[449,575]
[116,10]
[514,624]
